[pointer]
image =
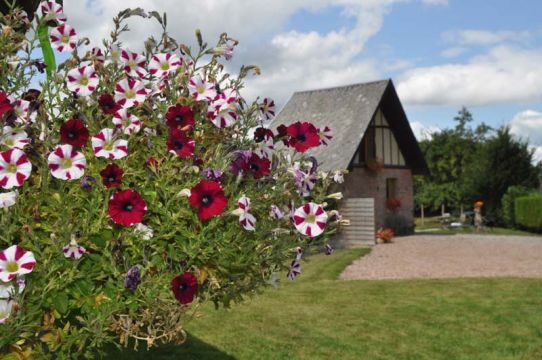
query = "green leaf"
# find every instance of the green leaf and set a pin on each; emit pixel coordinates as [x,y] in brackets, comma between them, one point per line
[60,302]
[48,54]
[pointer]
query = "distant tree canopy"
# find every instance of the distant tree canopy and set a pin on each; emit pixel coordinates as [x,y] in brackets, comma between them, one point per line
[469,164]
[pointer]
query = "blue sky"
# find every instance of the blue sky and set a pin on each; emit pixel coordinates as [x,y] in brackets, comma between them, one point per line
[441,54]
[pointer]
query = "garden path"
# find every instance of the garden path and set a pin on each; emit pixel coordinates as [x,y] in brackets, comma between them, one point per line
[450,256]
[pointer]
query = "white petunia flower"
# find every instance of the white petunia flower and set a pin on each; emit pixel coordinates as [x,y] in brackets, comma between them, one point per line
[8,199]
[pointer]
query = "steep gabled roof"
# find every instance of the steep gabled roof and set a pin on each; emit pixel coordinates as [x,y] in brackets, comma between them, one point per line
[348,110]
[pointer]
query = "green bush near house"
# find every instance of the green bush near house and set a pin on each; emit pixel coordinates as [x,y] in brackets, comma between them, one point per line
[529,211]
[508,203]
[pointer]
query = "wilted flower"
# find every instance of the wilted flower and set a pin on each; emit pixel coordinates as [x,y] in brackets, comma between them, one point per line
[133,278]
[144,231]
[338,177]
[6,307]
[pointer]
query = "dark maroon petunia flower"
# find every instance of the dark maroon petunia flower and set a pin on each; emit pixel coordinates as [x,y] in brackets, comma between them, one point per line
[261,134]
[303,136]
[180,144]
[240,163]
[5,104]
[74,132]
[108,104]
[180,117]
[208,197]
[184,287]
[257,166]
[127,208]
[112,176]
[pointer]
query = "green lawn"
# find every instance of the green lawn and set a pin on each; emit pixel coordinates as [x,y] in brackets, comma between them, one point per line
[319,317]
[433,226]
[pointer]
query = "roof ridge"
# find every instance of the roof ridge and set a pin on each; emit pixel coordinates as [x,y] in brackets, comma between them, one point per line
[344,86]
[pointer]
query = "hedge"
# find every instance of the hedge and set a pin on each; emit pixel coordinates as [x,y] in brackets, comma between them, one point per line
[529,211]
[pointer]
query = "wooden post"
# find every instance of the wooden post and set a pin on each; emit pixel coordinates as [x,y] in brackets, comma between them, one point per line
[442,210]
[422,214]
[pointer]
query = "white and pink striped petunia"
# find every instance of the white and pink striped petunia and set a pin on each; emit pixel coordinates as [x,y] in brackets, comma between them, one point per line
[13,138]
[105,144]
[163,64]
[6,307]
[267,109]
[223,110]
[246,219]
[73,250]
[66,163]
[310,219]
[265,148]
[21,109]
[63,38]
[15,261]
[134,63]
[82,80]
[52,11]
[130,92]
[8,199]
[276,213]
[325,135]
[14,168]
[130,124]
[200,89]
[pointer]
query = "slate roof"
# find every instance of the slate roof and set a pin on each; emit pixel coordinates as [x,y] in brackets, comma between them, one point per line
[348,110]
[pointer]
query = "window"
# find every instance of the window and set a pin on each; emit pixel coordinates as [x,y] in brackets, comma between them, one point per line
[391,188]
[379,143]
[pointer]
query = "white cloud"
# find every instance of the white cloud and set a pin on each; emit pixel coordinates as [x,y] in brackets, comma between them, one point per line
[453,51]
[435,2]
[528,125]
[422,131]
[505,74]
[484,37]
[289,60]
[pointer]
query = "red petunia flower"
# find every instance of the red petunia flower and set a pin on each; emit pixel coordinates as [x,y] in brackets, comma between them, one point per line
[180,117]
[108,104]
[74,132]
[184,287]
[303,136]
[208,197]
[112,176]
[5,104]
[127,208]
[257,166]
[262,134]
[180,144]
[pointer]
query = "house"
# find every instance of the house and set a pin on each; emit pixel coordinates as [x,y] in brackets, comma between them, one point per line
[374,141]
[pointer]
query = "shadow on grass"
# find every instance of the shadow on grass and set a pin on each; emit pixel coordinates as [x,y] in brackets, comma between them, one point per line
[192,349]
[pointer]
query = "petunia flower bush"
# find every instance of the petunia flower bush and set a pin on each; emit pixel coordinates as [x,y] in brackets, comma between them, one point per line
[137,184]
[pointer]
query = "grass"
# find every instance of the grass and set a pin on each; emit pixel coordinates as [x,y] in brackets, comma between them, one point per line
[320,317]
[433,226]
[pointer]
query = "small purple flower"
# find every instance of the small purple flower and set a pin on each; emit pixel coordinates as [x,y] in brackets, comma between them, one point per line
[133,278]
[295,270]
[328,249]
[86,183]
[212,175]
[237,165]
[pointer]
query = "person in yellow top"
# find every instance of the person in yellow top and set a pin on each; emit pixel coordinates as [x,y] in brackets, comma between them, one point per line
[478,215]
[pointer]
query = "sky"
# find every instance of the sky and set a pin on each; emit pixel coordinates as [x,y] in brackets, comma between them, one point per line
[441,54]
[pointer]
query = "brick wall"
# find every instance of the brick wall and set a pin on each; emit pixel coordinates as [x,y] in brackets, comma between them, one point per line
[360,182]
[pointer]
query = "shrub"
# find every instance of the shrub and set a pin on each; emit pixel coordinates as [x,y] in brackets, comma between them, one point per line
[385,235]
[399,224]
[529,211]
[508,203]
[132,191]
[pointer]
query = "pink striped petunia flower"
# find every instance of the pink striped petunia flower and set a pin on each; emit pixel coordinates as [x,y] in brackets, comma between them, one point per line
[200,89]
[73,250]
[246,219]
[22,111]
[325,135]
[310,219]
[52,11]
[130,124]
[134,63]
[14,168]
[82,80]
[66,163]
[267,109]
[105,144]
[223,110]
[15,261]
[162,65]
[130,92]
[13,138]
[63,38]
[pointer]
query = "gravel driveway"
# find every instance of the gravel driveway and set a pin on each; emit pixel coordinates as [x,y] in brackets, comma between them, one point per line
[450,256]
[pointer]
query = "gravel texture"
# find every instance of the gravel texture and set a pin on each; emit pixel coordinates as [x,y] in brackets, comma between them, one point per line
[450,256]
